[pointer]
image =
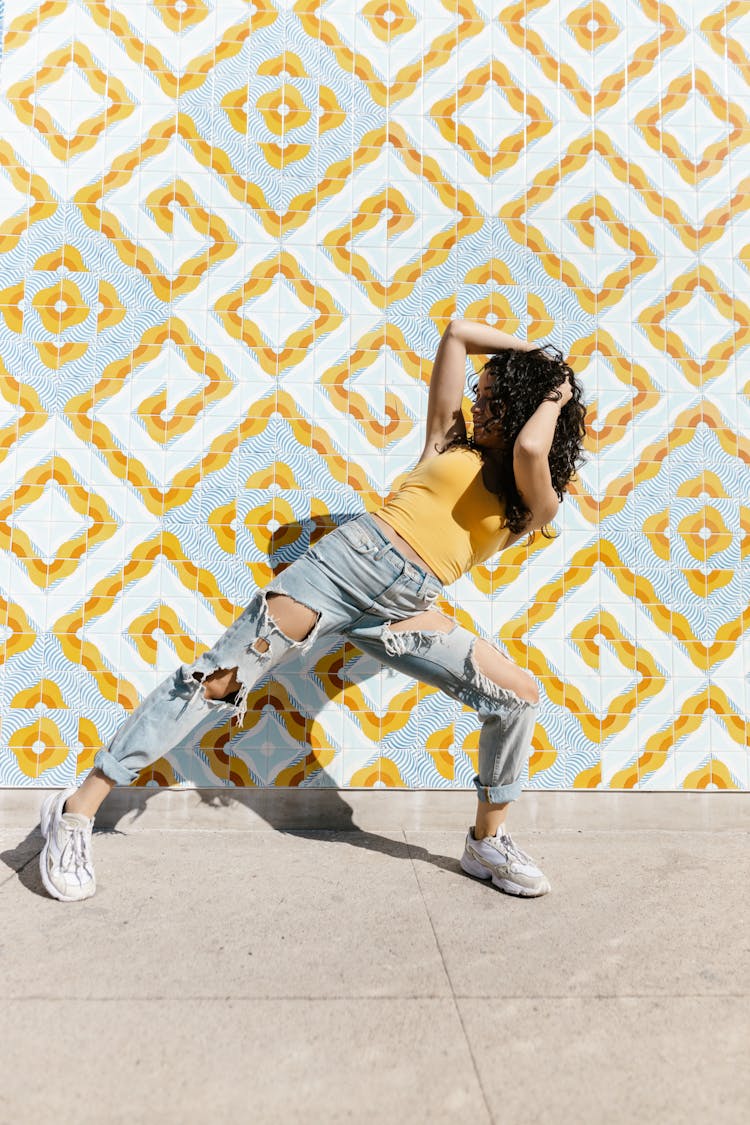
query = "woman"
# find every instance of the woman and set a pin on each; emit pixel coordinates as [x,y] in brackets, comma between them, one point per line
[375,579]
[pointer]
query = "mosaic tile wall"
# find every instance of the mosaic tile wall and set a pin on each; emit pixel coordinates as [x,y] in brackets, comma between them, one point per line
[231,235]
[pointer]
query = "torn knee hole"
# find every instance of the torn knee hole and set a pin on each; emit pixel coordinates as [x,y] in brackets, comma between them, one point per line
[260,645]
[429,622]
[520,685]
[221,684]
[295,621]
[416,634]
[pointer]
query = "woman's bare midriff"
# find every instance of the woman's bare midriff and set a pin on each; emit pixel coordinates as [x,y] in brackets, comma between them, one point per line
[402,546]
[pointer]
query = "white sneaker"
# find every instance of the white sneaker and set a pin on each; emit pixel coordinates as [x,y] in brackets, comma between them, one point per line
[497,858]
[65,861]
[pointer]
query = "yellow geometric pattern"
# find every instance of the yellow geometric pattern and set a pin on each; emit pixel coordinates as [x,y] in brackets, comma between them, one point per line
[23,96]
[232,235]
[70,553]
[726,113]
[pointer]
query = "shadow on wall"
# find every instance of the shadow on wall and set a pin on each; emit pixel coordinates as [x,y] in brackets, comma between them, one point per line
[231,748]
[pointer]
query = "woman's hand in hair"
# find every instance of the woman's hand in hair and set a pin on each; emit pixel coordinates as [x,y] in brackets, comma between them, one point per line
[565,391]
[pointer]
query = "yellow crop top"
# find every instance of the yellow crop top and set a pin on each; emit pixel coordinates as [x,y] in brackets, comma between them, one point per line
[443,510]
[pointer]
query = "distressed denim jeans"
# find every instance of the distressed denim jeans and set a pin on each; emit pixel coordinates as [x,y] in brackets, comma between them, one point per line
[358,584]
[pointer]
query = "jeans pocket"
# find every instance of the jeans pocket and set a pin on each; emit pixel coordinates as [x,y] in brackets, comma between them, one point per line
[357,537]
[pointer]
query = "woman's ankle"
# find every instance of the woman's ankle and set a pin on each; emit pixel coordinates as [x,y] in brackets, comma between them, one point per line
[89,796]
[74,805]
[489,819]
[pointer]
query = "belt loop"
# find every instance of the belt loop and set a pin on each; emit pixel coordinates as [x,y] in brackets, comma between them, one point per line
[374,530]
[425,587]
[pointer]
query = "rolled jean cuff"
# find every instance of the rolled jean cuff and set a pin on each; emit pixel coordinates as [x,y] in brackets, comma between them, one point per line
[498,794]
[113,769]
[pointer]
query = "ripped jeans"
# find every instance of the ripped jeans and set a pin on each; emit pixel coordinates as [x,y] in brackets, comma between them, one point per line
[357,583]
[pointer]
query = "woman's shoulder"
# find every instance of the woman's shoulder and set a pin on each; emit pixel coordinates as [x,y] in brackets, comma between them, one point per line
[435,465]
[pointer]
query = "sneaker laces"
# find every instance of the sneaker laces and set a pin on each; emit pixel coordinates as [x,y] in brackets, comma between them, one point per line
[512,850]
[75,852]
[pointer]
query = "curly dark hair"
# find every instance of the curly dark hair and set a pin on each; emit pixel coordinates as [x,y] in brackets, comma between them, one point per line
[520,381]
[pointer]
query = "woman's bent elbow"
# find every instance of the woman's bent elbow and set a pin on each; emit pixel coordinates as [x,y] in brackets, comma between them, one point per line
[543,508]
[530,448]
[455,329]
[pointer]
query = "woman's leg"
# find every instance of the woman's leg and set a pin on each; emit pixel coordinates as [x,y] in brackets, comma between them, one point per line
[432,648]
[90,794]
[271,628]
[495,665]
[489,817]
[250,648]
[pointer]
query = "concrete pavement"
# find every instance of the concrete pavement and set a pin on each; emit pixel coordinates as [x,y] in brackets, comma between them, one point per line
[272,956]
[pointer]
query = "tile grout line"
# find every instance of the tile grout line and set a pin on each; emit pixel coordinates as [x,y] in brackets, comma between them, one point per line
[450,983]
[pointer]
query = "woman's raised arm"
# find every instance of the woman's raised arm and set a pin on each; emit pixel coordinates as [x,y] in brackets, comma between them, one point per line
[483,339]
[445,419]
[531,460]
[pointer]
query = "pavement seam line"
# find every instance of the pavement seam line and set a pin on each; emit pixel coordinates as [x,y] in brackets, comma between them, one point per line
[456,1008]
[248,997]
[131,830]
